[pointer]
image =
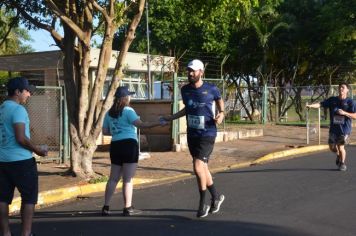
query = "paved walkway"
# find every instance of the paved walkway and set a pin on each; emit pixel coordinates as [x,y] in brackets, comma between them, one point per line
[277,142]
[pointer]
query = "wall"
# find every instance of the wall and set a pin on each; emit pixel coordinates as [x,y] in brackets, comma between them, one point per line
[157,138]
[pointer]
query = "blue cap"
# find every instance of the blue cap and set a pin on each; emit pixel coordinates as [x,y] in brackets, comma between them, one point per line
[20,83]
[123,91]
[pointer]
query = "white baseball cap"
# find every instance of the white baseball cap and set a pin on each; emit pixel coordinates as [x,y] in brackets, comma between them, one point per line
[196,65]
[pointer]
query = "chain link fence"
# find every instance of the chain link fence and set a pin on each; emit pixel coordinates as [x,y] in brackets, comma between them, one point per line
[45,109]
[282,104]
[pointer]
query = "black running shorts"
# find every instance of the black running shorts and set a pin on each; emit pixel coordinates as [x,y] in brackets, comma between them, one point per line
[22,175]
[338,139]
[124,151]
[201,147]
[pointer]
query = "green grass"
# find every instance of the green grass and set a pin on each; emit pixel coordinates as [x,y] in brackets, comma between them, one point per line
[99,179]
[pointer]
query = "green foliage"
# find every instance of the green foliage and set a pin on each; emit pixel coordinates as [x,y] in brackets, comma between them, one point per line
[242,122]
[12,37]
[233,118]
[292,41]
[177,25]
[99,179]
[4,76]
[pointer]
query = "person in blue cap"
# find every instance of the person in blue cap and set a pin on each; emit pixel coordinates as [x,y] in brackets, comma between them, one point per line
[17,166]
[121,122]
[342,110]
[198,98]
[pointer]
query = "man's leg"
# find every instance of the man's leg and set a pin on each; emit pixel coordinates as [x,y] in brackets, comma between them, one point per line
[202,179]
[334,148]
[27,211]
[200,173]
[216,198]
[4,219]
[210,183]
[342,153]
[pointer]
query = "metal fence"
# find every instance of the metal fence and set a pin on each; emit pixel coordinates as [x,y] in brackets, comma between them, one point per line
[276,104]
[47,124]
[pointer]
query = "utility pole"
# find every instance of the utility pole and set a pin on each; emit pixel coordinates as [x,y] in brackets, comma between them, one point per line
[149,87]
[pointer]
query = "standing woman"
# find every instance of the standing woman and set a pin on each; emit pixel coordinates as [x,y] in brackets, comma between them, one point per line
[121,122]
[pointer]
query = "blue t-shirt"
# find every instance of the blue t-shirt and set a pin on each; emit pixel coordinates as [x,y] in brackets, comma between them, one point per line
[122,127]
[10,150]
[199,109]
[339,125]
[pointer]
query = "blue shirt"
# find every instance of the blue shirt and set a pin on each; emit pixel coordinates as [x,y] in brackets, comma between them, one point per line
[199,109]
[122,127]
[10,150]
[339,125]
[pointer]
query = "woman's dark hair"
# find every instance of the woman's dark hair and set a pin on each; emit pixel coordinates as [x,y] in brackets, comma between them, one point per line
[118,106]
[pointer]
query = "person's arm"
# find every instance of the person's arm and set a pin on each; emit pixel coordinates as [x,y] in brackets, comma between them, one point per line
[147,124]
[347,114]
[177,115]
[25,142]
[314,105]
[221,111]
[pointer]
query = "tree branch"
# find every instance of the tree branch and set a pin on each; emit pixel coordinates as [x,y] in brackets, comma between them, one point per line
[119,63]
[78,31]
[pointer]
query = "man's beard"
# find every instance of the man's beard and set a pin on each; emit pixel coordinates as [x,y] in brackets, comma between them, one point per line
[193,80]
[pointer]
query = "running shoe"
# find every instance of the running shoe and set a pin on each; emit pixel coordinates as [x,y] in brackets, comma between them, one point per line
[342,167]
[203,211]
[105,211]
[215,204]
[130,211]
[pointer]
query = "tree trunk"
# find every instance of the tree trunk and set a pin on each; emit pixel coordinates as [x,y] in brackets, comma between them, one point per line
[82,157]
[82,152]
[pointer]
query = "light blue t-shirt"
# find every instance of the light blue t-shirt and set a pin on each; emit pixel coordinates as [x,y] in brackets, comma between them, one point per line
[10,114]
[122,127]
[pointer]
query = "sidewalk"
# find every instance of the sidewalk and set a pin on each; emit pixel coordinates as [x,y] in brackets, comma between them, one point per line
[277,142]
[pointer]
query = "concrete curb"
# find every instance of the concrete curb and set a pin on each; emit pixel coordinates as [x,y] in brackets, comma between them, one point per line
[291,152]
[50,197]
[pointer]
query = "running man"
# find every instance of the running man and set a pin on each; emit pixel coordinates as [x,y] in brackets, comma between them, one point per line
[198,98]
[342,110]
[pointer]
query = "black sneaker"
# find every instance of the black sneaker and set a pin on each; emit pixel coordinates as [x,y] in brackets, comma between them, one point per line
[337,162]
[342,167]
[105,211]
[203,211]
[215,204]
[130,211]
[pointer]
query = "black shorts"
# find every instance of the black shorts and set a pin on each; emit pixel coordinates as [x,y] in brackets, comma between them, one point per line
[124,151]
[338,139]
[22,175]
[201,147]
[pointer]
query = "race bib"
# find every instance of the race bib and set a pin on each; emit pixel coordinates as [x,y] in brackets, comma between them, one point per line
[196,122]
[339,120]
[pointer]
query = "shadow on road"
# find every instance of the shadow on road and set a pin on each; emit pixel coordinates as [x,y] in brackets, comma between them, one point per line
[89,223]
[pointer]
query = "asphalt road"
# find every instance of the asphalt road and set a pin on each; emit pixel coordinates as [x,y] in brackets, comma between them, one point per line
[300,196]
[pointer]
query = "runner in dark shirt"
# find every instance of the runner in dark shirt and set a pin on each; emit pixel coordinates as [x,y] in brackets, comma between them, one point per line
[198,98]
[342,110]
